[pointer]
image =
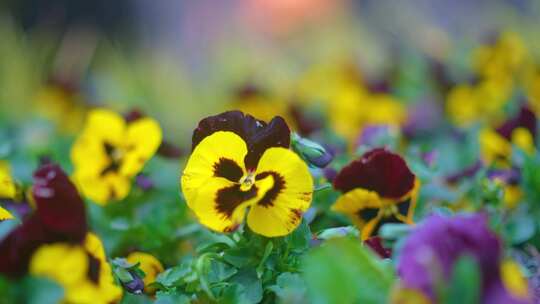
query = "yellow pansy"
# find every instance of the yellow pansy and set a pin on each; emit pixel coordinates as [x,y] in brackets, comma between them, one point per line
[505,57]
[62,105]
[352,108]
[513,280]
[148,264]
[218,187]
[240,162]
[496,144]
[468,104]
[7,188]
[494,148]
[81,270]
[110,152]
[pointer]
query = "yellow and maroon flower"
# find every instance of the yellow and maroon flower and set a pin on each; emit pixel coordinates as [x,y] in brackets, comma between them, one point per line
[378,188]
[7,189]
[150,265]
[496,144]
[60,217]
[55,242]
[110,152]
[81,269]
[239,162]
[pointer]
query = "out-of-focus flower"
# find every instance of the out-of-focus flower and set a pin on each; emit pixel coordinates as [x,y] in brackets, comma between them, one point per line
[408,296]
[431,250]
[496,144]
[503,58]
[252,100]
[62,103]
[82,270]
[532,88]
[239,162]
[110,152]
[378,188]
[7,189]
[149,265]
[509,179]
[59,217]
[354,108]
[483,102]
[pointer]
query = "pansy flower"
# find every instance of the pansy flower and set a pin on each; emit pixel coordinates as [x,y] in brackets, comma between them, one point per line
[429,254]
[150,265]
[81,269]
[240,162]
[110,152]
[7,189]
[496,144]
[377,188]
[55,242]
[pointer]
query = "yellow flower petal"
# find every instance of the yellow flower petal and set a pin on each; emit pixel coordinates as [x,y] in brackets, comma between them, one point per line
[513,279]
[279,210]
[201,166]
[363,208]
[148,264]
[522,138]
[5,215]
[7,185]
[494,148]
[63,263]
[105,124]
[220,204]
[142,141]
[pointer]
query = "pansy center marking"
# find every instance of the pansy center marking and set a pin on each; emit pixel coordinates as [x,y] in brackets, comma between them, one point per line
[247,181]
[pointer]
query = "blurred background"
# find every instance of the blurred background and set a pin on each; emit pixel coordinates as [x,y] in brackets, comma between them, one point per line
[180,61]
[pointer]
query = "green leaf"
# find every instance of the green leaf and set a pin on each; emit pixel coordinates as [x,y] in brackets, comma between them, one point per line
[464,287]
[267,251]
[219,271]
[171,298]
[300,238]
[173,276]
[250,286]
[41,291]
[129,298]
[289,288]
[337,232]
[342,271]
[520,228]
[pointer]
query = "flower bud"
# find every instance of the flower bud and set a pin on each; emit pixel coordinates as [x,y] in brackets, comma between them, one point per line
[313,153]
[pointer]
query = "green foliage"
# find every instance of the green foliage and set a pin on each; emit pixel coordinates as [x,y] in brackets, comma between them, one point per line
[342,271]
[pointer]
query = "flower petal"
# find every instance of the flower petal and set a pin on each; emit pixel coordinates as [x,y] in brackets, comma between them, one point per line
[279,209]
[59,205]
[143,140]
[257,134]
[362,206]
[220,205]
[218,155]
[378,170]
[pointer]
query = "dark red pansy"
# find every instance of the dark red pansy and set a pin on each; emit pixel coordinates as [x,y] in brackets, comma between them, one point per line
[59,205]
[257,134]
[525,119]
[60,217]
[378,170]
